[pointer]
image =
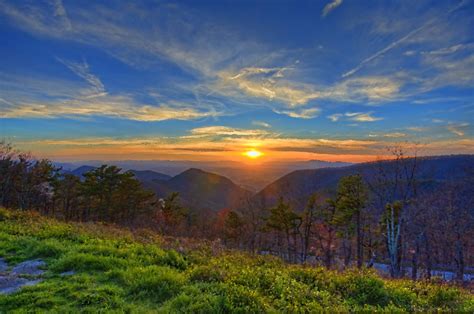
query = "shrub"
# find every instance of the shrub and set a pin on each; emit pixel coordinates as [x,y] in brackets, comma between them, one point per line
[156,283]
[87,263]
[206,274]
[197,301]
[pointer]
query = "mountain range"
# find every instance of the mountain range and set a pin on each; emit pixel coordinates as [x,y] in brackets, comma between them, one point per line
[200,189]
[251,176]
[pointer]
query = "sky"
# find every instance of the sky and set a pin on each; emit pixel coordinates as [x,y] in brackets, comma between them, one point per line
[209,80]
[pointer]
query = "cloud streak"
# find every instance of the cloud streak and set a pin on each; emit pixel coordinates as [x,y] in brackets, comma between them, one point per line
[330,7]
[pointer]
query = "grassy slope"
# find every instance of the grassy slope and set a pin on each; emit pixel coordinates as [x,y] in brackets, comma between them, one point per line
[120,272]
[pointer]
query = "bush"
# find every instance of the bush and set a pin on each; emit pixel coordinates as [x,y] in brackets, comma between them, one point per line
[195,301]
[156,283]
[361,288]
[82,262]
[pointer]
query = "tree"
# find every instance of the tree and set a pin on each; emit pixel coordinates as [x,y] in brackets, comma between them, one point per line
[233,225]
[284,220]
[67,196]
[351,200]
[171,214]
[327,228]
[308,219]
[113,196]
[394,185]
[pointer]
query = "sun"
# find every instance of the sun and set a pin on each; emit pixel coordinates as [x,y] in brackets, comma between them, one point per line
[253,154]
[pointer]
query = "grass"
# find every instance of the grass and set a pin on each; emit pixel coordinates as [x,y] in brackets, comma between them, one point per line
[118,271]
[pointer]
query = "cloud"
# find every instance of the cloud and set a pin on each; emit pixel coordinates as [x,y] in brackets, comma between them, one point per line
[335,117]
[308,113]
[374,89]
[262,124]
[411,36]
[385,50]
[226,131]
[60,12]
[330,7]
[354,116]
[362,117]
[389,135]
[83,71]
[107,106]
[458,129]
[266,83]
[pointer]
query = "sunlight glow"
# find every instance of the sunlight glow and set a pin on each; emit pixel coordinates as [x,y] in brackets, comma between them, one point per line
[253,154]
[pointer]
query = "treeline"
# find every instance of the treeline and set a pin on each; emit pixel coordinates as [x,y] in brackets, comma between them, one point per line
[385,218]
[104,194]
[394,216]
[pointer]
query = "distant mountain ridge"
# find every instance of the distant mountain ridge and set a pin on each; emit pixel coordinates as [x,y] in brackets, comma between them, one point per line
[298,185]
[203,189]
[197,189]
[253,177]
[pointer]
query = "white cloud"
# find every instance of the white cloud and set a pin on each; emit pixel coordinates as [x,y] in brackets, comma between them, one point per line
[354,116]
[266,83]
[308,113]
[330,7]
[60,12]
[335,117]
[458,129]
[362,116]
[83,71]
[108,106]
[261,124]
[227,131]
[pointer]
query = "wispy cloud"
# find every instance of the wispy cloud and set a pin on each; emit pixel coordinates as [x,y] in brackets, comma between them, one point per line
[389,135]
[262,124]
[308,113]
[335,117]
[330,7]
[60,12]
[354,116]
[266,83]
[404,39]
[107,106]
[82,70]
[458,129]
[227,131]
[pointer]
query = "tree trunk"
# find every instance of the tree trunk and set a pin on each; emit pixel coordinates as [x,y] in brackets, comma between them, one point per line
[459,259]
[360,252]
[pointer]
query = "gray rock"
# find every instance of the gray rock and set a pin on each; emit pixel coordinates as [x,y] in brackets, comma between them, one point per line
[3,265]
[11,284]
[68,273]
[29,268]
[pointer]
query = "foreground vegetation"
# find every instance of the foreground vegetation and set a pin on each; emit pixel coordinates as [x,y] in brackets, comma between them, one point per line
[117,270]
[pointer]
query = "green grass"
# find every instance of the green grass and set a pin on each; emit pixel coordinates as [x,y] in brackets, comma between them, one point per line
[118,271]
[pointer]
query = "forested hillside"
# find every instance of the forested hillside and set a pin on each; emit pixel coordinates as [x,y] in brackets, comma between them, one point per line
[410,216]
[96,268]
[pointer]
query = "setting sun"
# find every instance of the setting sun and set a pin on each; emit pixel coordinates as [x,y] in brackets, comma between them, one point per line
[253,154]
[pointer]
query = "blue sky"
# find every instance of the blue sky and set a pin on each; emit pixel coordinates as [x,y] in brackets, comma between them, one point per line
[335,79]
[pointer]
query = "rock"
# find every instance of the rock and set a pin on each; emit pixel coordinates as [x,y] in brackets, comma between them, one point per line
[11,284]
[29,268]
[3,265]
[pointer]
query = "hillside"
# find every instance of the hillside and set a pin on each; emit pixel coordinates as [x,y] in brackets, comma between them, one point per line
[96,268]
[197,189]
[201,189]
[298,185]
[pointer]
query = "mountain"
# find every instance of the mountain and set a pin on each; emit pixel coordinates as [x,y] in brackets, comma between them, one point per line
[81,170]
[298,185]
[199,189]
[251,176]
[149,175]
